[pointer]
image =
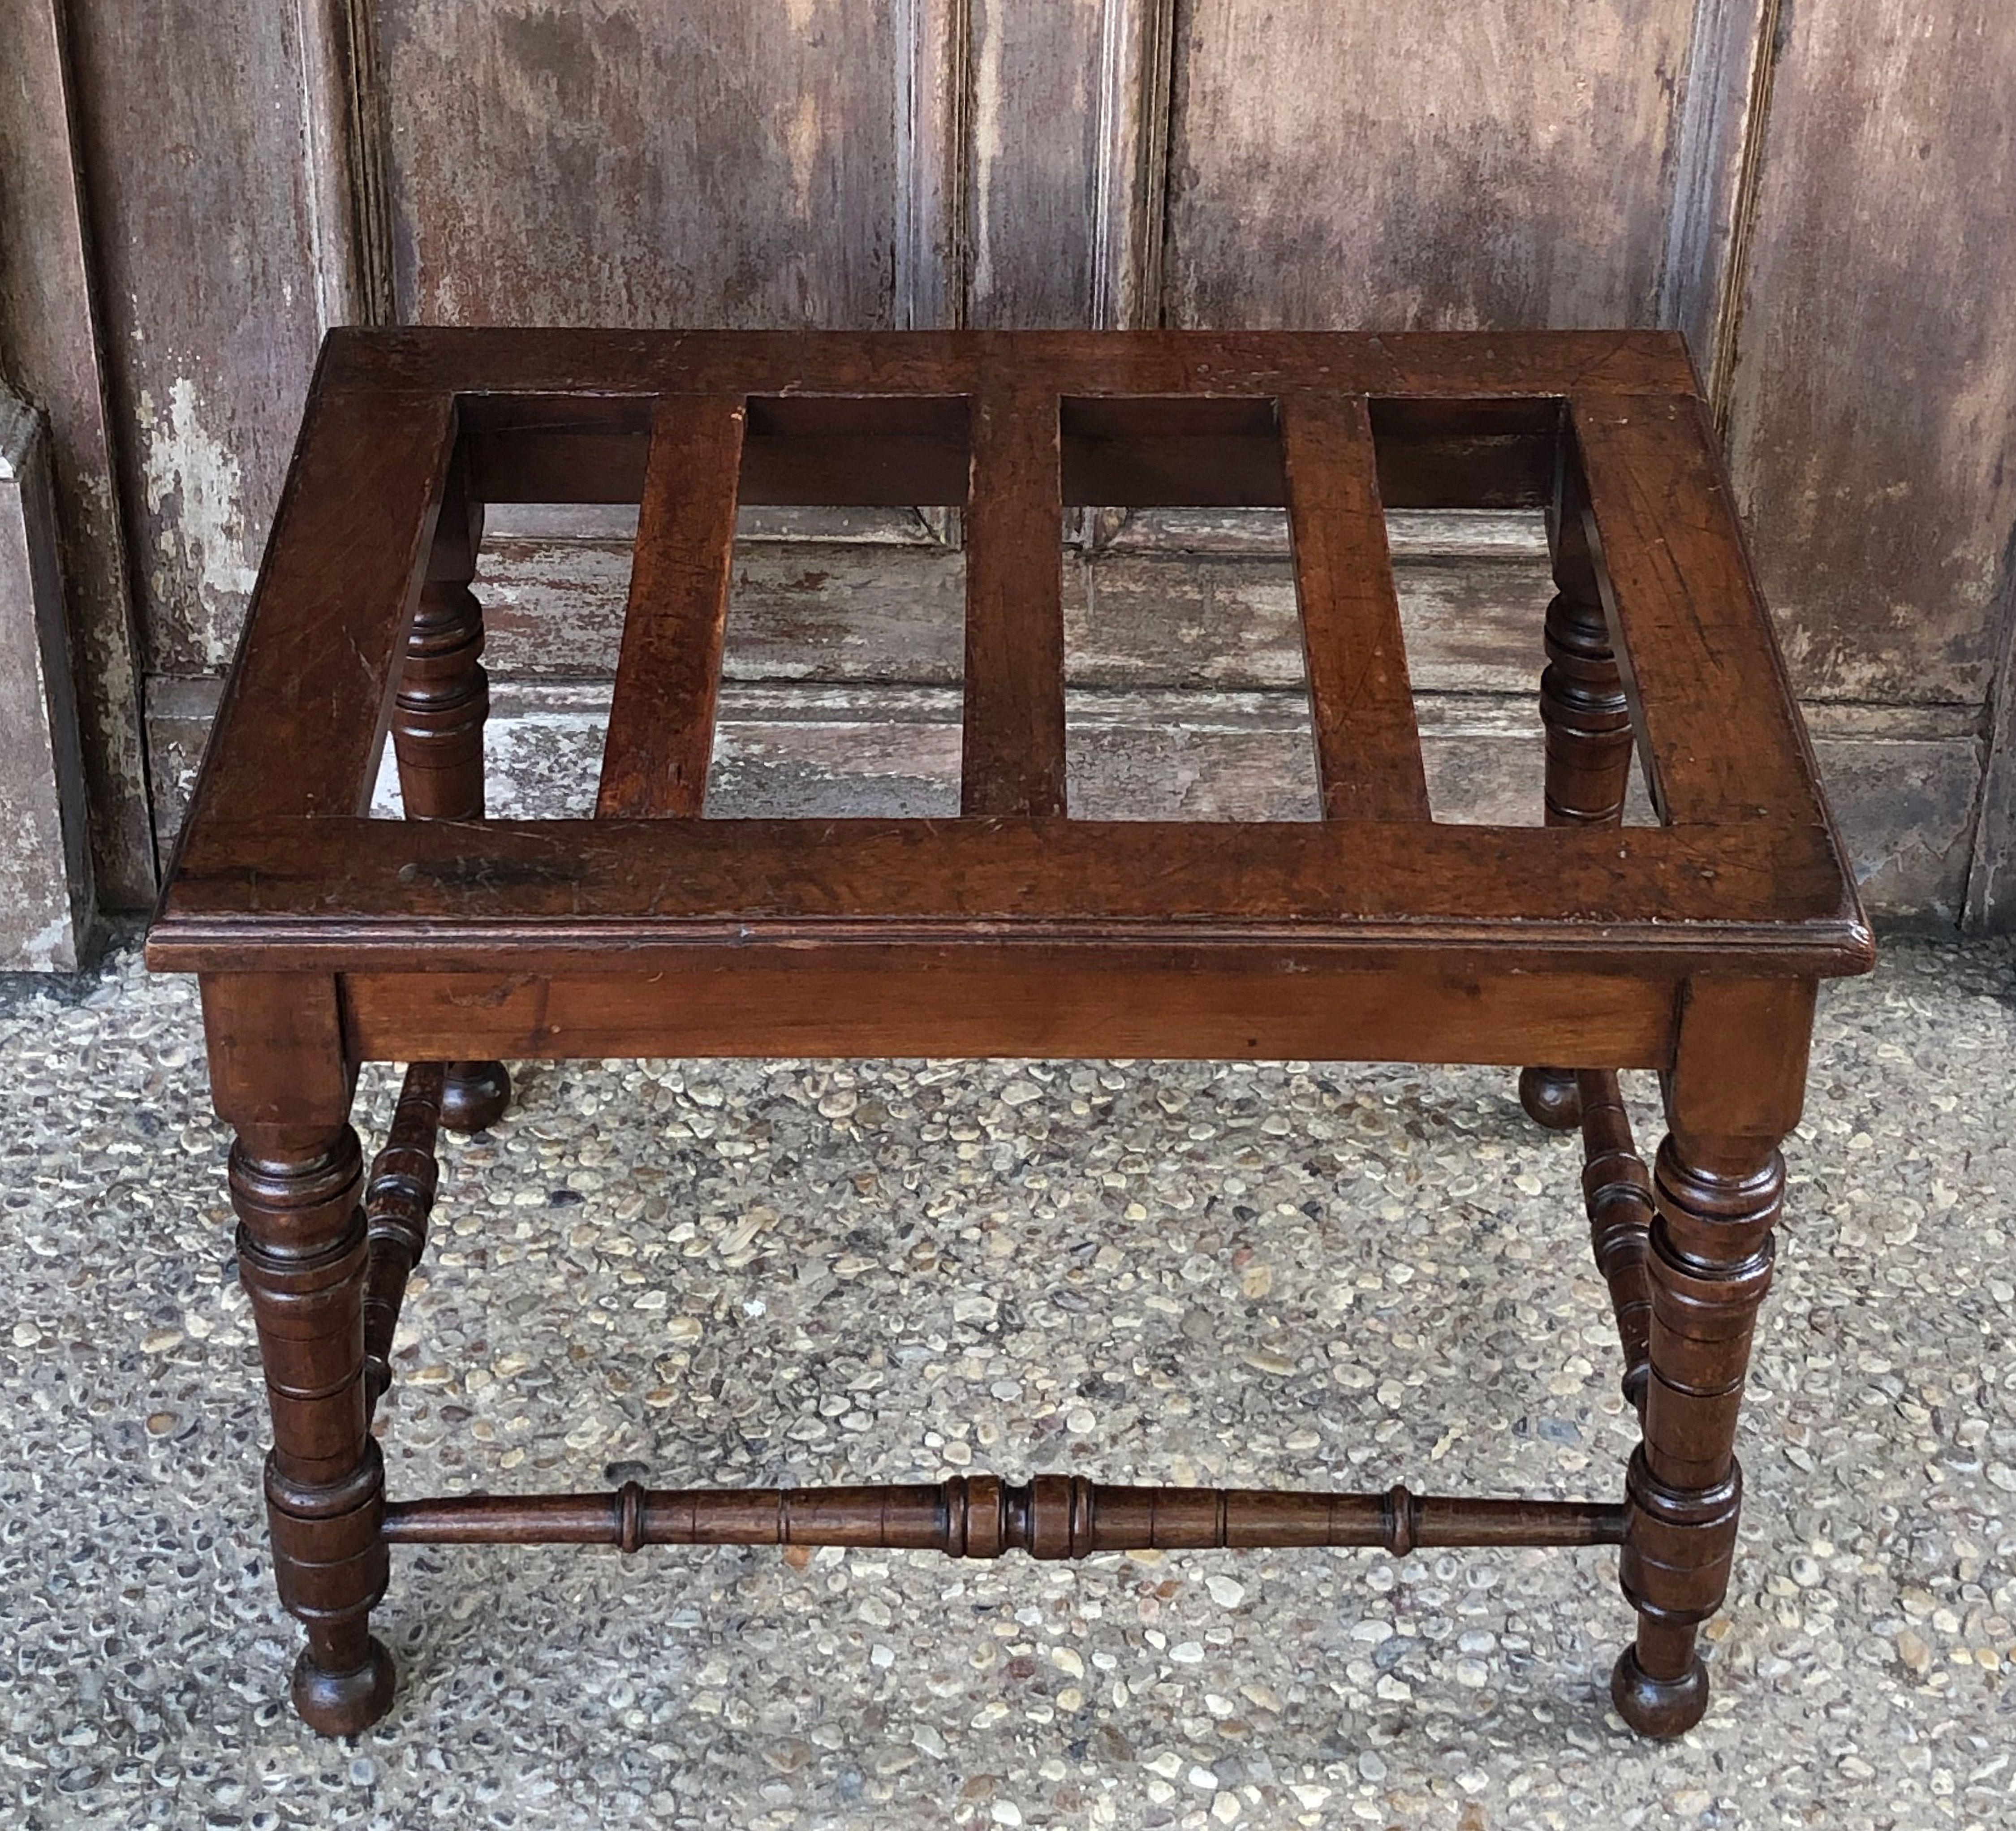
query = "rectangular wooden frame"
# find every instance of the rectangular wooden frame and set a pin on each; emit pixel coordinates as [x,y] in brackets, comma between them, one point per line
[280,869]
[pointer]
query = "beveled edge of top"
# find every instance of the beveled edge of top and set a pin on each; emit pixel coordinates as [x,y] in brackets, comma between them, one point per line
[339,892]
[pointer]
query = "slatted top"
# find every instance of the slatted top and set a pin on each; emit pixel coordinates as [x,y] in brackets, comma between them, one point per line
[279,865]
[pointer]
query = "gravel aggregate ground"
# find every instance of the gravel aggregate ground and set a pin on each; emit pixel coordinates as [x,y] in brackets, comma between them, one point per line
[804,1272]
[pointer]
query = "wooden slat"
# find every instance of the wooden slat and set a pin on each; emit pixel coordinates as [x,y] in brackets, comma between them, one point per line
[1361,703]
[586,884]
[1013,749]
[304,715]
[661,719]
[1444,365]
[1699,655]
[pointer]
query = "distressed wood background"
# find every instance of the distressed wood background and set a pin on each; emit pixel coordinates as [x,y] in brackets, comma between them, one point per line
[1821,193]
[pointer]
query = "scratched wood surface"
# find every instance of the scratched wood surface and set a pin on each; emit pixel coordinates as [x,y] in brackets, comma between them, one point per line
[1457,163]
[1873,416]
[50,349]
[708,163]
[191,130]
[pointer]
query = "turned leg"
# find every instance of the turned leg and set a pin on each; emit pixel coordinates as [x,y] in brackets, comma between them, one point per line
[1717,1187]
[300,1255]
[1587,720]
[1618,1195]
[280,1078]
[438,720]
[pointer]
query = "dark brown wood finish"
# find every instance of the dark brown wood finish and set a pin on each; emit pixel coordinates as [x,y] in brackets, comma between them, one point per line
[981,1517]
[342,889]
[661,722]
[1721,746]
[1735,1090]
[1012,749]
[324,938]
[582,369]
[1278,1001]
[307,706]
[444,697]
[280,1076]
[1619,1193]
[438,715]
[1587,719]
[397,1199]
[1361,705]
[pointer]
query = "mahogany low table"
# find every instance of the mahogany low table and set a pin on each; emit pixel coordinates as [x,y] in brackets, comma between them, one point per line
[325,938]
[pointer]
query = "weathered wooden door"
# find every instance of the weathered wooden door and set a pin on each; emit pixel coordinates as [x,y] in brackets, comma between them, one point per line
[1819,194]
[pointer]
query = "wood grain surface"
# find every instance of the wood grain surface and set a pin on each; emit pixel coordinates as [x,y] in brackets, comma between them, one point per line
[661,722]
[707,164]
[1362,704]
[51,332]
[1463,163]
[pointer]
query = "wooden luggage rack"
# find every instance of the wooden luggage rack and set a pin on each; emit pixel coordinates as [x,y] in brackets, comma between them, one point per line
[324,938]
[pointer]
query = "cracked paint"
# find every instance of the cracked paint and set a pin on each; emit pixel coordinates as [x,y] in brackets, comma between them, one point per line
[195,496]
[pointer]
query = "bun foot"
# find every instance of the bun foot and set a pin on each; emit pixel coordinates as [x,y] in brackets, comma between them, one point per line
[474,1096]
[1551,1097]
[1662,1707]
[345,1703]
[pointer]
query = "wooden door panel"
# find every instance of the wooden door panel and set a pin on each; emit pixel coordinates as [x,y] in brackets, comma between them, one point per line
[1455,164]
[709,163]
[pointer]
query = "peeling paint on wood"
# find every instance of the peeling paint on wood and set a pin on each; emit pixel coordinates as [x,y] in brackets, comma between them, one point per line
[192,132]
[46,905]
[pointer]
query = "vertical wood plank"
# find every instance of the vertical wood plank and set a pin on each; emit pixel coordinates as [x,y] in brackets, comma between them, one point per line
[343,109]
[1507,165]
[1361,703]
[1989,904]
[1716,161]
[932,91]
[1068,143]
[1872,410]
[668,674]
[1013,749]
[206,262]
[50,328]
[1131,163]
[1872,434]
[711,163]
[46,903]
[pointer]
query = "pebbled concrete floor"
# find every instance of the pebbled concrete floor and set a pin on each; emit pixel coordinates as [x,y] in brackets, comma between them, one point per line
[793,1271]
